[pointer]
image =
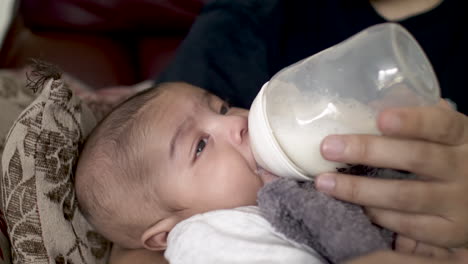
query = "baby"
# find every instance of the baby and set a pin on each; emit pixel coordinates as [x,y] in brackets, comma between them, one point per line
[161,157]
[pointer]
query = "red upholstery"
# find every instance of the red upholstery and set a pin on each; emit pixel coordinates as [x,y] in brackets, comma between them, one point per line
[101,42]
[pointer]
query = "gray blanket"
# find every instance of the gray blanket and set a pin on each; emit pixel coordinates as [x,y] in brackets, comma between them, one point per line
[337,230]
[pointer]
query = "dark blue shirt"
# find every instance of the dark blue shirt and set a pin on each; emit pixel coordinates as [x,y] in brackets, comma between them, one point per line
[235,46]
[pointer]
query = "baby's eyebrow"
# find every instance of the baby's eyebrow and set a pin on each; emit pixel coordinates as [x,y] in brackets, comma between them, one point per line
[180,131]
[206,97]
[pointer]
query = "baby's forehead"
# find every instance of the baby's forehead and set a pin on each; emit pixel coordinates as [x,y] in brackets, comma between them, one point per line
[177,102]
[179,97]
[186,91]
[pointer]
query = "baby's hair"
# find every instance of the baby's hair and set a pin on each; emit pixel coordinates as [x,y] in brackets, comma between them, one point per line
[112,158]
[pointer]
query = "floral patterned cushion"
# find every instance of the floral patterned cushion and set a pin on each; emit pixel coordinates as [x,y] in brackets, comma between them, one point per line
[4,242]
[14,97]
[37,194]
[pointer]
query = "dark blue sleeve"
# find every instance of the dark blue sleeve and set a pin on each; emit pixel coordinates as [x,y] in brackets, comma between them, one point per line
[226,51]
[235,46]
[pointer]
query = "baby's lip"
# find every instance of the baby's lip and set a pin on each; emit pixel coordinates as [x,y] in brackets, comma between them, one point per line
[265,175]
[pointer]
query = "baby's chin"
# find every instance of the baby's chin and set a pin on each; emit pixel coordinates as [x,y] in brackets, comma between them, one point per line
[265,175]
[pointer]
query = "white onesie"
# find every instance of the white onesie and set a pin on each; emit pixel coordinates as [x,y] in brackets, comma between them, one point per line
[238,235]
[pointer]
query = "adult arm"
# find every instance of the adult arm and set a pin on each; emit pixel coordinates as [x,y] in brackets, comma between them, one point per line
[225,51]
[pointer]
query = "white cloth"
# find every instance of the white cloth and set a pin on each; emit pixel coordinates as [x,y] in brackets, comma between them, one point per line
[238,235]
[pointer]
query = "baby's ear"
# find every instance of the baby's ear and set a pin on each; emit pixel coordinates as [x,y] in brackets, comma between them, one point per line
[156,242]
[155,237]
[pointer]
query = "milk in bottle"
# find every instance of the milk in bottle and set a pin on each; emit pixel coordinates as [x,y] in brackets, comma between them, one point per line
[340,90]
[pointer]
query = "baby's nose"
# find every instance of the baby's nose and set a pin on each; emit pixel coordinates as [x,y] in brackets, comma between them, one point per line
[242,134]
[238,130]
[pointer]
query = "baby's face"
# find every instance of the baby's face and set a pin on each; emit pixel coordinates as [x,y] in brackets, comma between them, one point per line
[201,152]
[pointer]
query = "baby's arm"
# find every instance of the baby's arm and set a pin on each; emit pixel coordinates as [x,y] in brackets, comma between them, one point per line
[142,256]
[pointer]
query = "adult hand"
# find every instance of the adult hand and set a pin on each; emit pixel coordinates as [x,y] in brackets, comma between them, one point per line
[431,142]
[390,257]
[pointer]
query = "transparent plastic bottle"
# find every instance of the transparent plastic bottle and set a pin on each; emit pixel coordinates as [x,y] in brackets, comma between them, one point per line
[339,90]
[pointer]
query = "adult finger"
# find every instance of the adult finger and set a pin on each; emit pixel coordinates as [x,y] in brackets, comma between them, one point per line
[436,124]
[447,105]
[390,257]
[423,249]
[407,245]
[418,227]
[422,158]
[403,195]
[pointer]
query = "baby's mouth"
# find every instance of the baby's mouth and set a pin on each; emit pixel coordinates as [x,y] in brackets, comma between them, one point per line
[265,175]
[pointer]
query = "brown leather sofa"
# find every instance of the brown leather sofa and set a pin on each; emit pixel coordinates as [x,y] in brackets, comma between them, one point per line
[102,43]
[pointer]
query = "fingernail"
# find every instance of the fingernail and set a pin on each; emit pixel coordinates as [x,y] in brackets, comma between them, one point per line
[333,147]
[391,123]
[325,182]
[450,104]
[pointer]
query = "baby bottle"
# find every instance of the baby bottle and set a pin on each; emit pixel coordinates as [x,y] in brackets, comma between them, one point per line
[339,90]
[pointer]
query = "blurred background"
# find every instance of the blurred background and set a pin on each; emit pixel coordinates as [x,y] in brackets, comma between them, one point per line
[100,42]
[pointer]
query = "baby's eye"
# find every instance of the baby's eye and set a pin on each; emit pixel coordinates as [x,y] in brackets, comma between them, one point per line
[224,109]
[200,146]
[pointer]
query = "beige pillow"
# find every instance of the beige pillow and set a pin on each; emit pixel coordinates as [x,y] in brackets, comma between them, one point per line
[14,97]
[38,197]
[4,243]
